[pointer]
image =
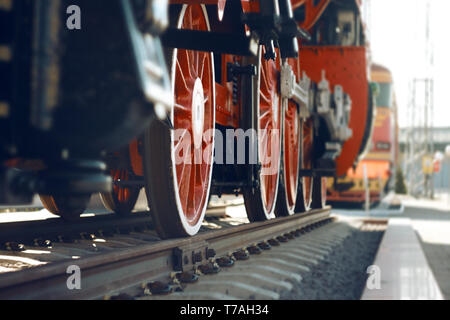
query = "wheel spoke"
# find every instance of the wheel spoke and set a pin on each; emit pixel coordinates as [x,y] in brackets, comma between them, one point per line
[181,141]
[184,185]
[197,64]
[266,114]
[187,62]
[192,185]
[181,110]
[181,77]
[264,79]
[201,74]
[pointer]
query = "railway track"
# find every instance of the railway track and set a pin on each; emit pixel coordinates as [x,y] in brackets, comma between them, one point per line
[124,258]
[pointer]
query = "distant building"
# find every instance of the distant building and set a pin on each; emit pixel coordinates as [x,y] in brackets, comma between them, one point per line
[440,137]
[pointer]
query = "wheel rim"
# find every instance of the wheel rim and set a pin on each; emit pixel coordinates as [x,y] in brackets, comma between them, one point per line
[307,158]
[291,154]
[194,123]
[269,125]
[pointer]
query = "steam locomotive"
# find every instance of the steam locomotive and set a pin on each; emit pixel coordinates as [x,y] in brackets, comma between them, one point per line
[185,98]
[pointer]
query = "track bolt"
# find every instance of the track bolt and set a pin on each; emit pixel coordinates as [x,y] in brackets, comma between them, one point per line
[231,256]
[66,239]
[157,288]
[105,233]
[209,268]
[282,239]
[264,245]
[42,243]
[87,236]
[176,284]
[210,253]
[14,246]
[225,262]
[241,255]
[196,257]
[289,236]
[273,242]
[124,231]
[187,277]
[254,250]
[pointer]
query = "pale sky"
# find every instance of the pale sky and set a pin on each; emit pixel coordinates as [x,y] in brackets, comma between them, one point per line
[398,42]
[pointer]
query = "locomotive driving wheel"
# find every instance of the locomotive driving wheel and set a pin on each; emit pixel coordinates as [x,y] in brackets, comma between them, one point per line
[305,191]
[121,200]
[290,159]
[178,163]
[260,198]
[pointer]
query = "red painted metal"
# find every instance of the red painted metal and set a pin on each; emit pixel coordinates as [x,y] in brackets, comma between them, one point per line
[136,158]
[378,161]
[250,5]
[291,152]
[345,66]
[313,10]
[292,144]
[247,5]
[269,130]
[227,113]
[193,78]
[122,194]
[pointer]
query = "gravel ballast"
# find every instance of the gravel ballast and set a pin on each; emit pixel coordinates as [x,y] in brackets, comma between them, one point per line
[341,275]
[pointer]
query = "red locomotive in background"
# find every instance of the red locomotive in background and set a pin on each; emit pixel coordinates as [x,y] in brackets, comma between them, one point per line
[285,80]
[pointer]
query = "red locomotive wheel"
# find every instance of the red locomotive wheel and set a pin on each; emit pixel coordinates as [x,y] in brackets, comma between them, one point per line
[305,193]
[122,199]
[178,163]
[260,205]
[319,197]
[290,164]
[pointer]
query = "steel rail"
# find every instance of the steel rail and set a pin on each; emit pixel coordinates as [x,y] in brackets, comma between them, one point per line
[27,231]
[113,272]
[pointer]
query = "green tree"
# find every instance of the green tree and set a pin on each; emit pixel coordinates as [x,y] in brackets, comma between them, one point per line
[400,187]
